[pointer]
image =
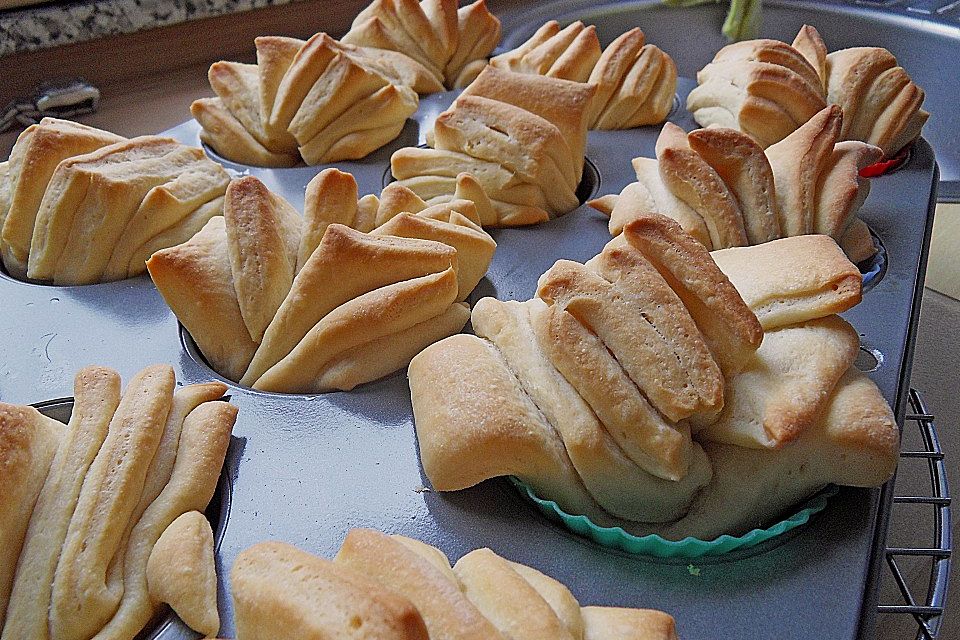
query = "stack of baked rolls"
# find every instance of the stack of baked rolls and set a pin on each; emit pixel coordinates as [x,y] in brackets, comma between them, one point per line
[296,304]
[452,43]
[390,587]
[522,137]
[636,82]
[726,191]
[79,205]
[640,389]
[768,88]
[319,100]
[84,505]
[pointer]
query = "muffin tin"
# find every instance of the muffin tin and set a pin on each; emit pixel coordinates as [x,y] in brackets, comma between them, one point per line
[307,468]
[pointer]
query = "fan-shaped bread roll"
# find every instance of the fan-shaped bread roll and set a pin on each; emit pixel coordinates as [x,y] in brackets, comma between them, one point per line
[522,138]
[635,83]
[573,409]
[614,623]
[319,100]
[725,191]
[282,303]
[33,159]
[87,202]
[452,43]
[764,88]
[881,104]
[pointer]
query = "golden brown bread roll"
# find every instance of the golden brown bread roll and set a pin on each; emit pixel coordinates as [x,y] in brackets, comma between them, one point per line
[319,100]
[452,43]
[28,444]
[282,592]
[881,104]
[635,83]
[726,191]
[264,292]
[364,593]
[764,88]
[33,159]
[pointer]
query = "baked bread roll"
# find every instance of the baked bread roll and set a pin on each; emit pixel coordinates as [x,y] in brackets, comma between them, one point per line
[181,573]
[84,202]
[764,88]
[452,43]
[632,433]
[379,586]
[881,104]
[271,309]
[635,83]
[28,444]
[124,469]
[318,100]
[33,159]
[522,138]
[282,592]
[725,191]
[767,89]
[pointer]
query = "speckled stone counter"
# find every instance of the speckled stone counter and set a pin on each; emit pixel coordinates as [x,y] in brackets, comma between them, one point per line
[32,28]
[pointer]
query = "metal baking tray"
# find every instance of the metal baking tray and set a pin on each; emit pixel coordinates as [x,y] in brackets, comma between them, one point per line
[307,468]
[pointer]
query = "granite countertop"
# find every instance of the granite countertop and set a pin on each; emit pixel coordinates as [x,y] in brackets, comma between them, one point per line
[39,27]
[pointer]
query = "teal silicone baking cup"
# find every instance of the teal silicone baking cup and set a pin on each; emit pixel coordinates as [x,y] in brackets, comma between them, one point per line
[654,545]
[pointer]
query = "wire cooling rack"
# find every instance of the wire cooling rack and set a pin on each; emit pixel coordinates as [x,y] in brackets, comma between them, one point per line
[919,565]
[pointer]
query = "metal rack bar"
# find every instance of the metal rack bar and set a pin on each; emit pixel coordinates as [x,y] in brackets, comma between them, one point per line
[925,608]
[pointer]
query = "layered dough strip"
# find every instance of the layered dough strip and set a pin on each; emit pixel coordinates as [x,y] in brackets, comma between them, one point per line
[123,470]
[520,138]
[635,82]
[345,295]
[626,431]
[767,89]
[452,43]
[726,191]
[88,206]
[392,587]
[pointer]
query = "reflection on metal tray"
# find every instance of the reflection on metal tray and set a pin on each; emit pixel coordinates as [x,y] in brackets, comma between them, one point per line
[315,466]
